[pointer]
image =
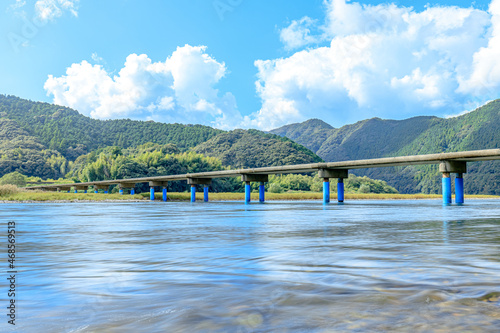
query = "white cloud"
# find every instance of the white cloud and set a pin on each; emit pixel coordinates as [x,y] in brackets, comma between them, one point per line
[298,33]
[180,89]
[48,10]
[485,77]
[18,4]
[383,60]
[95,57]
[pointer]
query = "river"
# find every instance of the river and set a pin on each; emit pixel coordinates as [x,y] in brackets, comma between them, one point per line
[365,266]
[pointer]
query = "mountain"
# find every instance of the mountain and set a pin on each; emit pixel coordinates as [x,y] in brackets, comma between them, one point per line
[312,131]
[372,138]
[46,140]
[253,149]
[73,134]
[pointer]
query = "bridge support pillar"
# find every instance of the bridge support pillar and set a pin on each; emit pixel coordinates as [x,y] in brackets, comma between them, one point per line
[459,168]
[248,178]
[446,189]
[205,193]
[326,190]
[248,191]
[459,189]
[152,189]
[101,187]
[340,190]
[131,186]
[199,181]
[193,193]
[262,192]
[326,174]
[81,188]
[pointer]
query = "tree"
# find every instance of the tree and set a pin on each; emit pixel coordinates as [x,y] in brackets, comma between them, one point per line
[13,178]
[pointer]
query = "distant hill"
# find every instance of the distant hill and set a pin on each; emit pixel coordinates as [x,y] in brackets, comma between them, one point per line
[372,138]
[253,149]
[312,131]
[45,140]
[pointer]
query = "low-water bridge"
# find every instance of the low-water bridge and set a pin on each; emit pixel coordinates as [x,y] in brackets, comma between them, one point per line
[449,163]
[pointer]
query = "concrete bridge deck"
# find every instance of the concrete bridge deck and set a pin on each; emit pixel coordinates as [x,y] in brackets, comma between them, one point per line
[449,163]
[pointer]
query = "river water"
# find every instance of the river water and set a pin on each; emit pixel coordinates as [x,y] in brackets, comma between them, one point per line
[365,266]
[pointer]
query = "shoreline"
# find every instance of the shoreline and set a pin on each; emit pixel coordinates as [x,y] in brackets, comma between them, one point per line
[37,197]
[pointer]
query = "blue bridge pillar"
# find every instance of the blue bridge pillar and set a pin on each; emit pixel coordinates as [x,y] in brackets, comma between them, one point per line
[152,186]
[205,193]
[326,190]
[248,191]
[248,178]
[85,191]
[340,190]
[446,189]
[76,191]
[164,193]
[459,168]
[101,187]
[96,191]
[193,193]
[124,185]
[199,181]
[459,189]
[326,174]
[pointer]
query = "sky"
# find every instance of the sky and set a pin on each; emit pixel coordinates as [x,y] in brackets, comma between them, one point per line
[252,63]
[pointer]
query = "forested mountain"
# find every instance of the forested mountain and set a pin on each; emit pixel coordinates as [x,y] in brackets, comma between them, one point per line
[375,137]
[254,149]
[50,141]
[73,134]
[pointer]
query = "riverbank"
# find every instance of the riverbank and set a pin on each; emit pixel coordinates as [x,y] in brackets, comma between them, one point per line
[185,196]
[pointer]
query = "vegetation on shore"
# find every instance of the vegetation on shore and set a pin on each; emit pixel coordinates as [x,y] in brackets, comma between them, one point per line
[15,194]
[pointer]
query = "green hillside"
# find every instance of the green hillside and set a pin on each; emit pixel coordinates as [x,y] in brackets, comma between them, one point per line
[253,149]
[50,141]
[375,137]
[73,134]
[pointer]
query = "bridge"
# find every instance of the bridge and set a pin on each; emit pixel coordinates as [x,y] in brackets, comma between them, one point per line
[449,163]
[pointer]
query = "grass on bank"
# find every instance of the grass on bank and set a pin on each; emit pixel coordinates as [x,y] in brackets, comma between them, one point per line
[291,196]
[13,193]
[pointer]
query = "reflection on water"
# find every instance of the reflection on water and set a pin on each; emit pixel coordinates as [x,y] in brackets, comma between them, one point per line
[366,266]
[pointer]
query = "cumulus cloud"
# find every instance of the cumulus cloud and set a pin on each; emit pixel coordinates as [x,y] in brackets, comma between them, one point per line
[299,34]
[384,61]
[180,89]
[48,10]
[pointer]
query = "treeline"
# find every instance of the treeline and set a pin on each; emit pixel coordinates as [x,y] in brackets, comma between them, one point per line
[353,184]
[73,134]
[148,160]
[151,160]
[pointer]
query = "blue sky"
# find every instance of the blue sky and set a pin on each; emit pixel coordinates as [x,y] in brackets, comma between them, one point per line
[259,64]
